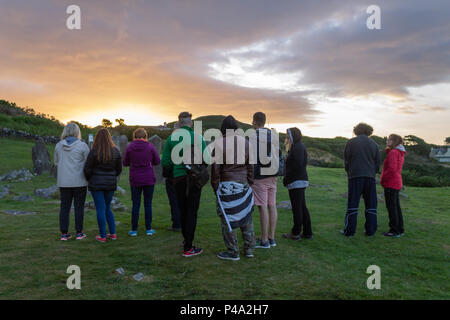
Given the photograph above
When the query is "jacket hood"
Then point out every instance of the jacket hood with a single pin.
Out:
(295, 135)
(400, 148)
(68, 145)
(138, 145)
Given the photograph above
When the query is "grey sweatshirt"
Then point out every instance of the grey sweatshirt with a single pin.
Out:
(70, 159)
(361, 157)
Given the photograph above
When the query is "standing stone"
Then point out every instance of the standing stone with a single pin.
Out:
(157, 143)
(123, 143)
(41, 158)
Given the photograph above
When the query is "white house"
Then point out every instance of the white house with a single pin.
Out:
(441, 154)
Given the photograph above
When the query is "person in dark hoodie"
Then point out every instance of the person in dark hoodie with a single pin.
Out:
(141, 156)
(362, 163)
(69, 157)
(296, 180)
(391, 180)
(103, 166)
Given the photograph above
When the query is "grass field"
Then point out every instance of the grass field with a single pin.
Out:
(33, 261)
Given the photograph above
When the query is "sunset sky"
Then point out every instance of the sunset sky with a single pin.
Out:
(311, 64)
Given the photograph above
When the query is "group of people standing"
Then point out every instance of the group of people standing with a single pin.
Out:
(238, 185)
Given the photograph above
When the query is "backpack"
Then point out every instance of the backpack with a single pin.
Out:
(197, 174)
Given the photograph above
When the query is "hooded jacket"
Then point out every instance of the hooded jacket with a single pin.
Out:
(391, 174)
(102, 176)
(141, 157)
(239, 168)
(69, 157)
(296, 161)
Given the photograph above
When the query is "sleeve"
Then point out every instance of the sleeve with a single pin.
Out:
(347, 156)
(126, 158)
(387, 167)
(118, 163)
(377, 160)
(89, 165)
(166, 161)
(215, 176)
(56, 156)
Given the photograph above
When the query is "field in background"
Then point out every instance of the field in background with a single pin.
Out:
(33, 261)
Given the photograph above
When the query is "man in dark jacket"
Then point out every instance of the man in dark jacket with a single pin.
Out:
(362, 163)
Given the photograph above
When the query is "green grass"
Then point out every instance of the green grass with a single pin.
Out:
(33, 261)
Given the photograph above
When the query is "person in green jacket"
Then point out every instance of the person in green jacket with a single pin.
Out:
(188, 196)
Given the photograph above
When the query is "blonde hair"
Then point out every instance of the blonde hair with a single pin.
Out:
(71, 130)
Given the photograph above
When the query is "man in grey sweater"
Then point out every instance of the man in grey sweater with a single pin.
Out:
(362, 163)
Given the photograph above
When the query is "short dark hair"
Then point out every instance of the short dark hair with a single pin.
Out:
(228, 122)
(363, 128)
(259, 118)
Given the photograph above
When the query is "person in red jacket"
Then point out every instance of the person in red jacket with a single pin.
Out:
(391, 180)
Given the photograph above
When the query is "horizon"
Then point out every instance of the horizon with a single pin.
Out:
(306, 64)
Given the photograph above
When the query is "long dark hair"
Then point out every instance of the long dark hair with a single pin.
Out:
(103, 144)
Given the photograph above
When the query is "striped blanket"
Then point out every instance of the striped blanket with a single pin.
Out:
(236, 202)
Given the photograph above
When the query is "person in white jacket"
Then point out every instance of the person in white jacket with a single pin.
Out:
(69, 158)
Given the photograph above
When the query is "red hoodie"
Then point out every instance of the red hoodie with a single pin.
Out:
(391, 175)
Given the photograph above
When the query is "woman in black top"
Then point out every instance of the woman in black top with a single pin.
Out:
(296, 180)
(103, 166)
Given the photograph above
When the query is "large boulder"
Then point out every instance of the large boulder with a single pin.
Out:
(41, 158)
(17, 175)
(47, 193)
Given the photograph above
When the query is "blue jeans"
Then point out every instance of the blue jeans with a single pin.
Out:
(102, 200)
(136, 193)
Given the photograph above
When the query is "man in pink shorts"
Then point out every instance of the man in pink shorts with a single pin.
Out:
(264, 187)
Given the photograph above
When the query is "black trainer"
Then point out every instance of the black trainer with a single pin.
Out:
(228, 256)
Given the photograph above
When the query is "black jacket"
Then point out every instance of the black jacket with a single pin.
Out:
(103, 176)
(361, 157)
(295, 167)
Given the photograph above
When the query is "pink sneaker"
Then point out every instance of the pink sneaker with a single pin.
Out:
(112, 236)
(98, 238)
(65, 236)
(80, 236)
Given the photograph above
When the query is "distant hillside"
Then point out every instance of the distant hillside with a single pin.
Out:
(419, 169)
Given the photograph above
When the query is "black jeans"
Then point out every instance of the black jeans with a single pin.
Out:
(174, 209)
(392, 200)
(188, 202)
(136, 193)
(300, 212)
(366, 187)
(77, 194)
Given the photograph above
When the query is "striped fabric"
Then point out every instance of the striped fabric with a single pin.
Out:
(236, 202)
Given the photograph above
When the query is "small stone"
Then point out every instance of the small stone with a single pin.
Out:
(121, 191)
(23, 198)
(139, 276)
(284, 205)
(120, 271)
(46, 192)
(18, 213)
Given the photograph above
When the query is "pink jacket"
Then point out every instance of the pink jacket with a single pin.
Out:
(391, 175)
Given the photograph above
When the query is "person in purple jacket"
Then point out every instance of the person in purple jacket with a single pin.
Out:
(141, 156)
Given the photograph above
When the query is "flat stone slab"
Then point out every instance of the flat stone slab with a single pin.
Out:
(284, 205)
(17, 212)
